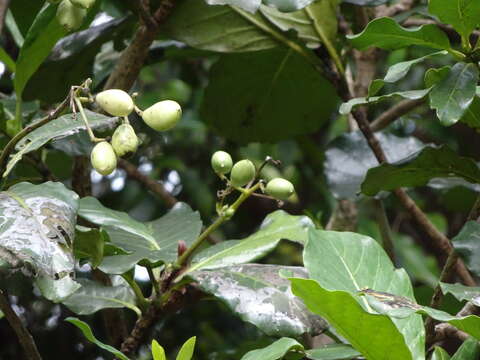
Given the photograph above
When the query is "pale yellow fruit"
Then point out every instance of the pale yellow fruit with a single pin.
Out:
(163, 115)
(124, 140)
(221, 162)
(70, 16)
(116, 102)
(103, 158)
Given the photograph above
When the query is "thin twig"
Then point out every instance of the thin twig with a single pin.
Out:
(392, 10)
(23, 335)
(395, 112)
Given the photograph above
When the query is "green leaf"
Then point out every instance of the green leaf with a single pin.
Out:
(276, 226)
(348, 106)
(87, 332)
(157, 351)
(440, 354)
(462, 292)
(312, 24)
(37, 227)
(92, 297)
(351, 262)
(260, 296)
(418, 169)
(264, 106)
(463, 15)
(288, 5)
(333, 352)
(56, 129)
(275, 351)
(385, 33)
(186, 351)
(452, 96)
(399, 71)
(155, 241)
(467, 244)
(217, 28)
(471, 117)
(7, 60)
(366, 2)
(355, 156)
(342, 311)
(89, 244)
(433, 76)
(469, 350)
(388, 304)
(40, 39)
(248, 5)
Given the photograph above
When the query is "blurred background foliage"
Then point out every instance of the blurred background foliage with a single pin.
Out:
(180, 160)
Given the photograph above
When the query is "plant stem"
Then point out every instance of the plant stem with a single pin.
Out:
(14, 141)
(182, 260)
(153, 280)
(142, 302)
(92, 136)
(23, 335)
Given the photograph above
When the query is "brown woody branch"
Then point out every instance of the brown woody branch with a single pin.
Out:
(23, 335)
(395, 112)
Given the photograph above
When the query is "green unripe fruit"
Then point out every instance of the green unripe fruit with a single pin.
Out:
(280, 189)
(70, 16)
(163, 115)
(242, 173)
(103, 158)
(116, 102)
(84, 4)
(221, 162)
(124, 140)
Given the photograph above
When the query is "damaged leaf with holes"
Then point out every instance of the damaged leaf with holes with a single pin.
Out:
(37, 228)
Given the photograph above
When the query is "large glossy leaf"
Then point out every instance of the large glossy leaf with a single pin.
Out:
(351, 262)
(348, 106)
(260, 296)
(452, 96)
(349, 157)
(373, 335)
(333, 352)
(385, 33)
(398, 71)
(288, 5)
(467, 244)
(471, 117)
(312, 24)
(470, 350)
(158, 352)
(87, 332)
(37, 228)
(71, 61)
(403, 308)
(155, 241)
(92, 297)
(64, 126)
(40, 39)
(275, 351)
(264, 106)
(419, 168)
(276, 226)
(463, 15)
(462, 292)
(90, 244)
(217, 28)
(248, 5)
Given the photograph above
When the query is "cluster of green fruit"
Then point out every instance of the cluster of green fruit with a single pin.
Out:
(70, 13)
(244, 172)
(161, 116)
